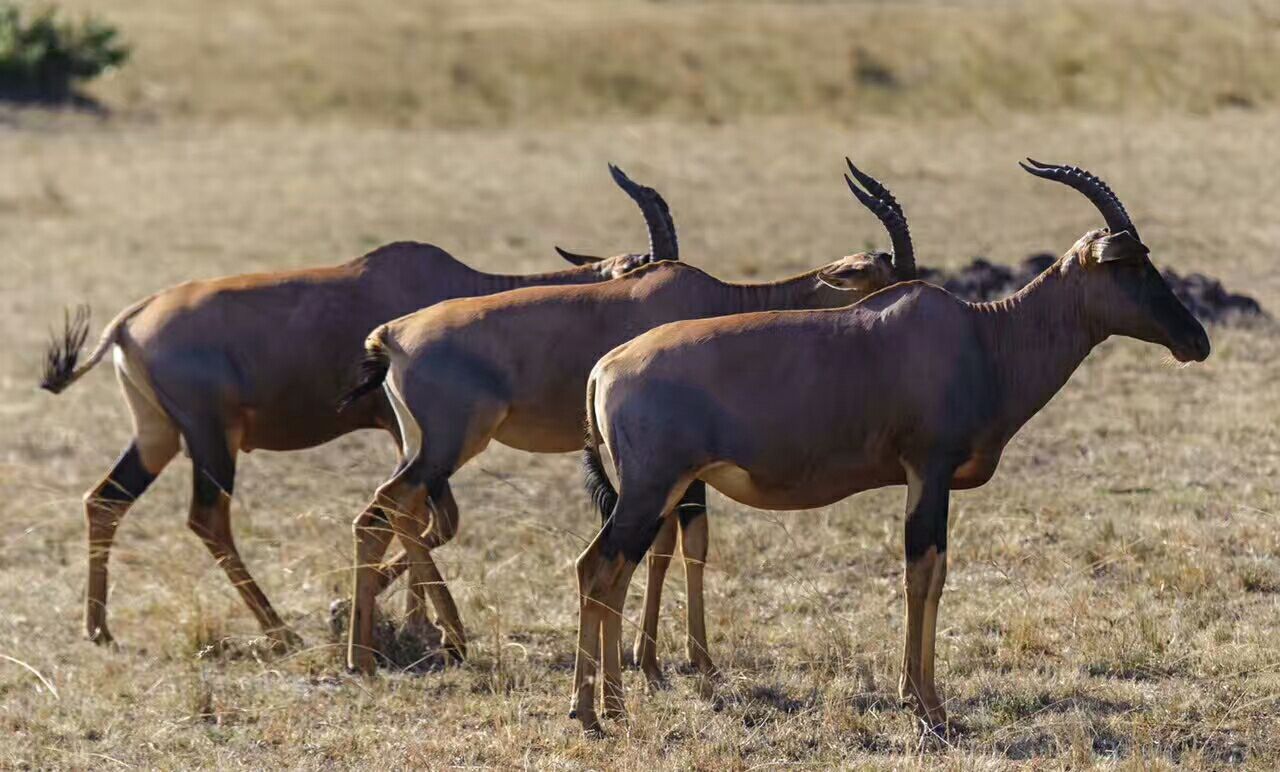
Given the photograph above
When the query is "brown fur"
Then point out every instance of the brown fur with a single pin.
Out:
(512, 368)
(915, 388)
(259, 361)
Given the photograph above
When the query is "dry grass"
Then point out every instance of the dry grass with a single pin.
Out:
(445, 63)
(1113, 592)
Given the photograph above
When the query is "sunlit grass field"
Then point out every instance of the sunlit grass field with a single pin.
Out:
(1114, 592)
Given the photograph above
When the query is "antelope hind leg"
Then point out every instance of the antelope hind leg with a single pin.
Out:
(646, 644)
(155, 443)
(694, 543)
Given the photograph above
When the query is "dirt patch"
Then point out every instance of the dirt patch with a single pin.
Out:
(1204, 295)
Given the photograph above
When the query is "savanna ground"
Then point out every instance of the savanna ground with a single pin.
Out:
(1114, 592)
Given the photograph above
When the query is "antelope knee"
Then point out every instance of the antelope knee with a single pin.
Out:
(372, 517)
(631, 541)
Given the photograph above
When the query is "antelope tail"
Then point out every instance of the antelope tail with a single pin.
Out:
(62, 366)
(373, 369)
(595, 479)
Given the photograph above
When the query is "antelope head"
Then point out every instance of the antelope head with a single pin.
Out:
(866, 272)
(608, 267)
(1124, 292)
(657, 218)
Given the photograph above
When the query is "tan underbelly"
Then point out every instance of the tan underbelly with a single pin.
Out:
(734, 482)
(295, 430)
(739, 485)
(536, 434)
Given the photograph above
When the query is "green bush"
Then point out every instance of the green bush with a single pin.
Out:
(44, 56)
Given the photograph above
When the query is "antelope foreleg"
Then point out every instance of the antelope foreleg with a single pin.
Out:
(925, 543)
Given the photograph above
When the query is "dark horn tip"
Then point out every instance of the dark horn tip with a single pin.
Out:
(863, 197)
(1039, 171)
(619, 176)
(859, 175)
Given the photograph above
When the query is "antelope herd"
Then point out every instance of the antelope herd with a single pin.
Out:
(784, 395)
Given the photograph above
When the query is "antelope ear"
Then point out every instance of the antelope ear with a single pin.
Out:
(577, 259)
(1118, 246)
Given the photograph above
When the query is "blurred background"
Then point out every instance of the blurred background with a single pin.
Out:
(486, 64)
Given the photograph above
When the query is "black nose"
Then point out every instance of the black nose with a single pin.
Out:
(1202, 346)
(1197, 345)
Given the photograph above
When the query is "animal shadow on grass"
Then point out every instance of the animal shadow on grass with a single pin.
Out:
(763, 705)
(410, 649)
(1016, 707)
(1011, 710)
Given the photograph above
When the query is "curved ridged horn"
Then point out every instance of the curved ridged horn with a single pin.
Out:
(657, 216)
(576, 258)
(883, 205)
(1093, 188)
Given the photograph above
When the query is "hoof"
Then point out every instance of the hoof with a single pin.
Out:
(655, 681)
(705, 687)
(702, 667)
(933, 736)
(102, 637)
(931, 723)
(931, 716)
(592, 729)
(935, 727)
(284, 641)
(618, 714)
(454, 654)
(590, 723)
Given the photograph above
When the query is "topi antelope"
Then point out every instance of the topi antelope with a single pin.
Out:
(878, 270)
(259, 362)
(512, 368)
(915, 388)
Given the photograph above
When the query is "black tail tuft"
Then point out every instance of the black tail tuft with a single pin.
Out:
(596, 481)
(63, 354)
(373, 371)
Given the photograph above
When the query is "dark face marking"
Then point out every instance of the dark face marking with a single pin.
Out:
(1150, 310)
